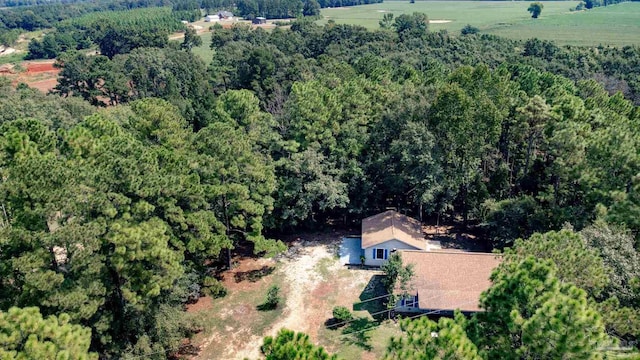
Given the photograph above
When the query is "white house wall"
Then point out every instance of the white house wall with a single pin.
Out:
(400, 305)
(389, 245)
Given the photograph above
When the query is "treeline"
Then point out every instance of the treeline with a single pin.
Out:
(114, 32)
(119, 216)
(9, 37)
(43, 15)
(339, 3)
(48, 15)
(590, 4)
(277, 9)
(288, 72)
(14, 3)
(273, 9)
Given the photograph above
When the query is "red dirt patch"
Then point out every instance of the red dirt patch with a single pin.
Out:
(43, 85)
(33, 68)
(41, 75)
(239, 278)
(243, 276)
(203, 303)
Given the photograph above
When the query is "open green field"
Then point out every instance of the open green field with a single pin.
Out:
(614, 25)
(204, 51)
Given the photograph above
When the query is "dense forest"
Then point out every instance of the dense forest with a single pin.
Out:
(124, 189)
(113, 32)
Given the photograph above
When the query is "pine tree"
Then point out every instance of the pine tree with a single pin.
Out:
(25, 334)
(428, 340)
(289, 345)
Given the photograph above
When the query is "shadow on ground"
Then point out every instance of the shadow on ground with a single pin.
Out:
(357, 333)
(253, 275)
(372, 299)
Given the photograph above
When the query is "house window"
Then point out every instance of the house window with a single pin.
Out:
(409, 301)
(380, 254)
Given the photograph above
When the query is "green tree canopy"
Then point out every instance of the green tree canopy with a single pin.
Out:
(575, 261)
(427, 340)
(535, 9)
(25, 334)
(530, 314)
(289, 345)
(615, 246)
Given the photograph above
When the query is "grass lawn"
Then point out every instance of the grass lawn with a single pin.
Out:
(353, 340)
(614, 25)
(204, 51)
(611, 25)
(11, 58)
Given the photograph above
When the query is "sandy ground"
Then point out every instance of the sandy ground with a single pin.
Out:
(310, 297)
(302, 280)
(7, 51)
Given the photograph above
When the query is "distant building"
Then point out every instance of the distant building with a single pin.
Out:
(211, 18)
(226, 15)
(259, 20)
(184, 22)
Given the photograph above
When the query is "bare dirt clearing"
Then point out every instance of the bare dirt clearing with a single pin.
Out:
(41, 75)
(7, 51)
(312, 283)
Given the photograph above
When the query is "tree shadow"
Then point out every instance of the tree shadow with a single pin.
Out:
(188, 349)
(374, 290)
(333, 323)
(266, 306)
(253, 275)
(357, 333)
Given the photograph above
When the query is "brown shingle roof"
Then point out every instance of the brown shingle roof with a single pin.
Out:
(391, 225)
(450, 280)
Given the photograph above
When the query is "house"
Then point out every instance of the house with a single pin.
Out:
(211, 18)
(259, 20)
(225, 15)
(388, 231)
(446, 280)
(382, 234)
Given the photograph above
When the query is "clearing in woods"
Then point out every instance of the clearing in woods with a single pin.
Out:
(41, 75)
(312, 282)
(616, 25)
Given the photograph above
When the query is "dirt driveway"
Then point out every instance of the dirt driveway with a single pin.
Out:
(312, 283)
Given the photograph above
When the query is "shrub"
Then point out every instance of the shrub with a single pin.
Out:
(342, 314)
(272, 300)
(273, 296)
(468, 29)
(213, 287)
